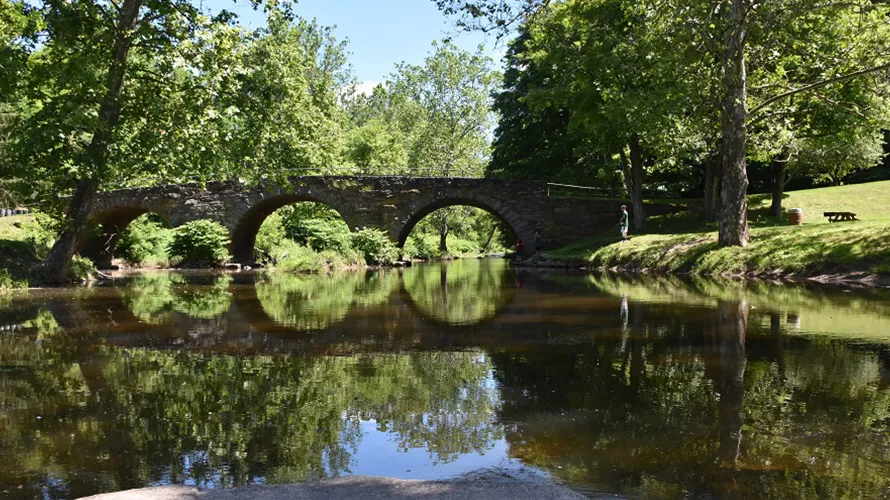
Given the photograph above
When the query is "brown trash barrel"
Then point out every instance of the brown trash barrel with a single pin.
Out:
(795, 216)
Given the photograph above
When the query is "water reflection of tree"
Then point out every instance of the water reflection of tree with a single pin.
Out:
(313, 302)
(460, 292)
(79, 419)
(707, 418)
(824, 311)
(152, 297)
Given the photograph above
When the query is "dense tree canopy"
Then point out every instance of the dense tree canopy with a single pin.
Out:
(688, 83)
(161, 91)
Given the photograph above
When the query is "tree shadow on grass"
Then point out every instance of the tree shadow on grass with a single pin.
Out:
(759, 214)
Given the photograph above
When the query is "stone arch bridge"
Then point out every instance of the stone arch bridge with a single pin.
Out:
(393, 204)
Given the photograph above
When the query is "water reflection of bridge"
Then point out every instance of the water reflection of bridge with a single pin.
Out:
(525, 309)
(519, 315)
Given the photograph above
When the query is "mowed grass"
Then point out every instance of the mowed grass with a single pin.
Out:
(17, 257)
(680, 244)
(870, 202)
(9, 229)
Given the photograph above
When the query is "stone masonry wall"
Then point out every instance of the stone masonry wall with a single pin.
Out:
(392, 204)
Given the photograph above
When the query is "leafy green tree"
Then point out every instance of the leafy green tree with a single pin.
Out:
(156, 90)
(627, 92)
(383, 129)
(845, 114)
(832, 158)
(534, 142)
(452, 90)
(432, 119)
(738, 35)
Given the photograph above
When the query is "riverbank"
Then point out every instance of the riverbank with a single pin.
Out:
(362, 488)
(857, 251)
(845, 252)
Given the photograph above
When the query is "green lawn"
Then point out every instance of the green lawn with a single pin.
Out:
(8, 228)
(680, 243)
(16, 255)
(870, 201)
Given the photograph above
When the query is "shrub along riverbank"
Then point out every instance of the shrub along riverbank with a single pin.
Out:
(857, 250)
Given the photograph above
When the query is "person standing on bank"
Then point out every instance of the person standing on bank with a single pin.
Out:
(624, 222)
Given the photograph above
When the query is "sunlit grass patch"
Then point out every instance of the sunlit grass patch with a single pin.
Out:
(11, 228)
(842, 247)
(869, 201)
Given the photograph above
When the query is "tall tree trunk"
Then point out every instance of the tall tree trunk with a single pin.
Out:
(711, 201)
(734, 212)
(633, 179)
(732, 330)
(59, 257)
(636, 173)
(443, 234)
(778, 171)
(488, 240)
(96, 154)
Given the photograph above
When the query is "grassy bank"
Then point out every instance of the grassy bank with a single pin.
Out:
(681, 244)
(17, 258)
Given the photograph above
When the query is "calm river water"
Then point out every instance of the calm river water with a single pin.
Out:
(641, 387)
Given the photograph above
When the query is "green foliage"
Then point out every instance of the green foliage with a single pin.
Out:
(315, 225)
(40, 233)
(289, 256)
(426, 247)
(7, 282)
(213, 101)
(306, 237)
(377, 146)
(422, 246)
(375, 246)
(584, 76)
(270, 235)
(200, 243)
(82, 270)
(830, 159)
(154, 296)
(145, 241)
(471, 232)
(321, 235)
(461, 292)
(452, 92)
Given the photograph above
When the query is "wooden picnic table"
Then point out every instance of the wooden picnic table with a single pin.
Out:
(839, 216)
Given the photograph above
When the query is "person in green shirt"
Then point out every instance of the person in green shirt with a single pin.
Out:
(624, 222)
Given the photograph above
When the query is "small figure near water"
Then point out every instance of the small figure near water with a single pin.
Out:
(518, 250)
(624, 222)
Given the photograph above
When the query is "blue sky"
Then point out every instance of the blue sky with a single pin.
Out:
(381, 33)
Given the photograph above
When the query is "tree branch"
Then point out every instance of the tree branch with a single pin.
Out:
(813, 86)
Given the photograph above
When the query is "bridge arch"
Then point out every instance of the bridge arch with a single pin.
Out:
(245, 232)
(99, 246)
(401, 227)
